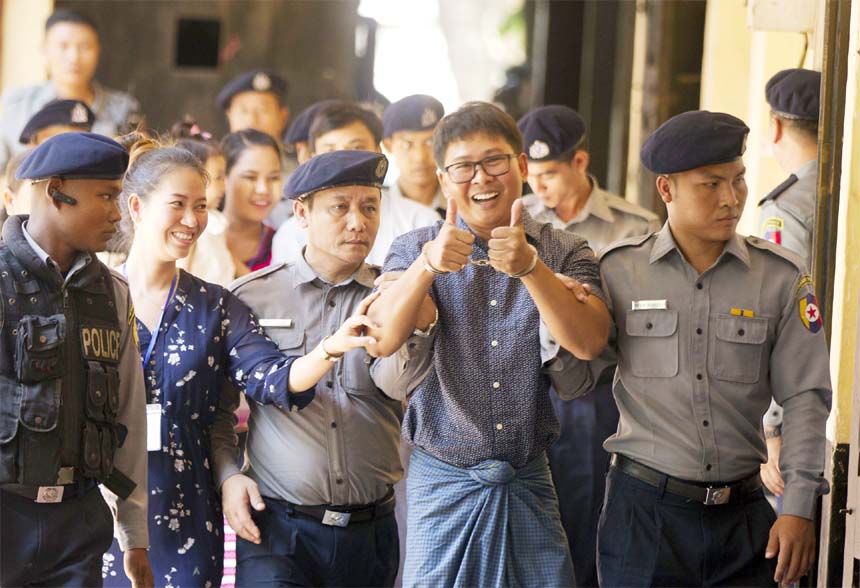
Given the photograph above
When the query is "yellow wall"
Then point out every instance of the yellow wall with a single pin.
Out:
(736, 65)
(21, 41)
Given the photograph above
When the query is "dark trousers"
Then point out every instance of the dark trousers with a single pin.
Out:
(299, 551)
(59, 544)
(648, 537)
(578, 463)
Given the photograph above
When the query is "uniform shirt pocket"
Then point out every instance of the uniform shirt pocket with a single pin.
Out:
(355, 373)
(652, 346)
(290, 339)
(738, 348)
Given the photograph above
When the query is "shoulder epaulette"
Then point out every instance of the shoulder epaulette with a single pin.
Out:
(775, 193)
(628, 242)
(239, 282)
(778, 251)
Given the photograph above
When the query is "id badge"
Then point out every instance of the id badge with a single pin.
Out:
(153, 427)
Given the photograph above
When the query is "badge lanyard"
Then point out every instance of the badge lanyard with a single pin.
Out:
(154, 336)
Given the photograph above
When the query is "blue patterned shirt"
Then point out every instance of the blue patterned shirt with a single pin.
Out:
(487, 393)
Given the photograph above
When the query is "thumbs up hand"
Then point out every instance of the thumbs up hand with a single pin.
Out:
(509, 252)
(450, 250)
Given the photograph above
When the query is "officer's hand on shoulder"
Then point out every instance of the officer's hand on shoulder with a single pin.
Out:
(450, 250)
(792, 539)
(238, 492)
(136, 564)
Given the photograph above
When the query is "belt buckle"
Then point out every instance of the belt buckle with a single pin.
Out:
(49, 494)
(716, 496)
(334, 518)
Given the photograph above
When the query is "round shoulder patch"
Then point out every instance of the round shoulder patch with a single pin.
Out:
(810, 316)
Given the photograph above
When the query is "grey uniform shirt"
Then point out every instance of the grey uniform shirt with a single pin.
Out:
(604, 219)
(700, 356)
(787, 218)
(130, 526)
(111, 107)
(342, 448)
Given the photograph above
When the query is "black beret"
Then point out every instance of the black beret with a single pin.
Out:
(300, 129)
(418, 112)
(67, 113)
(694, 139)
(795, 93)
(256, 80)
(337, 168)
(550, 131)
(83, 156)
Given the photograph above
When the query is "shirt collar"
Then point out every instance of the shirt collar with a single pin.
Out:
(808, 168)
(305, 274)
(80, 262)
(666, 243)
(596, 204)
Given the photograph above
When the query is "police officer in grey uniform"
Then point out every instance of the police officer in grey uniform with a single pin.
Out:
(709, 326)
(72, 414)
(788, 212)
(325, 472)
(568, 197)
(71, 55)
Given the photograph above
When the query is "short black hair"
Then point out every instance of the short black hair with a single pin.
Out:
(807, 127)
(62, 15)
(473, 118)
(340, 114)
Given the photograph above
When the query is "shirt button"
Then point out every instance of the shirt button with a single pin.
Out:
(493, 302)
(699, 331)
(340, 480)
(334, 425)
(496, 385)
(331, 303)
(499, 426)
(708, 467)
(705, 423)
(494, 343)
(698, 376)
(699, 286)
(328, 384)
(38, 420)
(741, 333)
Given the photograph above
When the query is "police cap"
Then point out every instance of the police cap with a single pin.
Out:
(300, 129)
(256, 80)
(67, 113)
(337, 168)
(83, 156)
(694, 139)
(795, 93)
(417, 112)
(551, 131)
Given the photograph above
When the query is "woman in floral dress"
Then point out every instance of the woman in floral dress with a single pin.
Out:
(192, 335)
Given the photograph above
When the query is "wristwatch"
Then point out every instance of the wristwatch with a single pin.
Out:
(325, 354)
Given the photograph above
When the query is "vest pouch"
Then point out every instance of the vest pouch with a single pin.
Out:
(113, 392)
(91, 456)
(39, 348)
(10, 406)
(97, 392)
(40, 405)
(108, 449)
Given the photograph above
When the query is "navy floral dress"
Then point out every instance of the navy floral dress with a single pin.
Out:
(205, 336)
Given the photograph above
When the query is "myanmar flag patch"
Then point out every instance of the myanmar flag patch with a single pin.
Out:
(809, 313)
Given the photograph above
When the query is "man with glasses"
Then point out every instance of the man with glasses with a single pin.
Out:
(482, 507)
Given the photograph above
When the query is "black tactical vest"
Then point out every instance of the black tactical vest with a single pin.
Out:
(59, 353)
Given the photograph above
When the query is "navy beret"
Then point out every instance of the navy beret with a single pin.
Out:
(256, 80)
(67, 113)
(418, 112)
(795, 93)
(550, 131)
(337, 168)
(82, 156)
(300, 129)
(694, 139)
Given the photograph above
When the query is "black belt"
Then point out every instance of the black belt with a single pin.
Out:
(713, 494)
(341, 516)
(52, 494)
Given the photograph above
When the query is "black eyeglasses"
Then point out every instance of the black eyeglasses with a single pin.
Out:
(494, 165)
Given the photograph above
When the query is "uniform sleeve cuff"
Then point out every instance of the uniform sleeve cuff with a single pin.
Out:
(799, 503)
